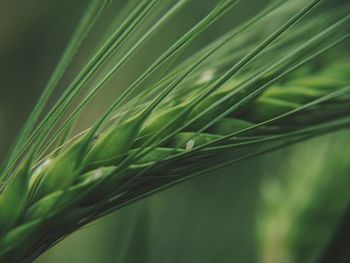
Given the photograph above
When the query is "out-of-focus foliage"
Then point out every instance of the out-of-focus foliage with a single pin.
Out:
(303, 200)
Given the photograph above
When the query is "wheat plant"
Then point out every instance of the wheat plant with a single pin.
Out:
(248, 92)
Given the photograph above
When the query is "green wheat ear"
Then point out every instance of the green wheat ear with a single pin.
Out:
(265, 92)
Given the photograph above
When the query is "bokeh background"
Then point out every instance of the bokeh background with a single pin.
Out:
(214, 218)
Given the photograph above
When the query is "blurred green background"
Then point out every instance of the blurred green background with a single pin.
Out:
(208, 219)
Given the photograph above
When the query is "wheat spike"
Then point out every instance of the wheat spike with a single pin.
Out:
(213, 109)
